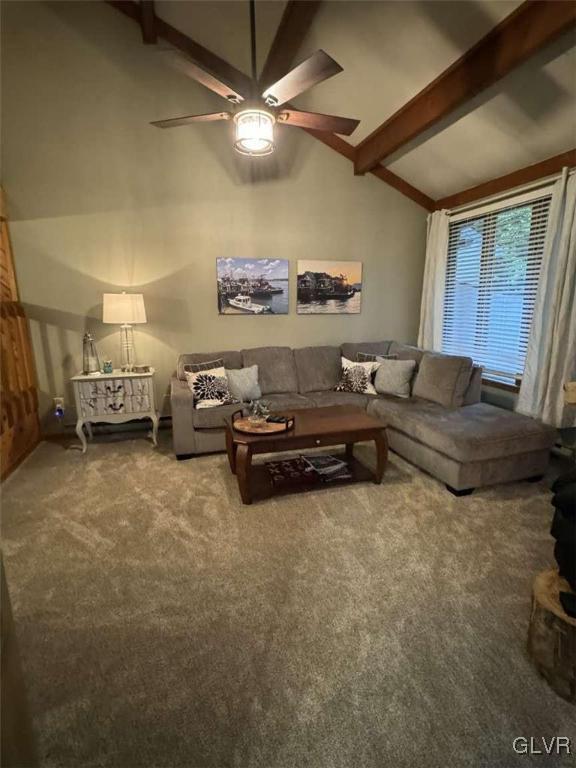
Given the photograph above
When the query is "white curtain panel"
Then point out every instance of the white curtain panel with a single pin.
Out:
(551, 355)
(434, 286)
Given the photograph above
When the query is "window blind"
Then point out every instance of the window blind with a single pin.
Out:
(492, 277)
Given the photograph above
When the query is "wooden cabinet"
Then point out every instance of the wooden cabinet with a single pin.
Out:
(19, 426)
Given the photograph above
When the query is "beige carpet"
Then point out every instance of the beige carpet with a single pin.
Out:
(164, 624)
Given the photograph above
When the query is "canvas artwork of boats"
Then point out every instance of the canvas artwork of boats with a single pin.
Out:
(329, 287)
(252, 286)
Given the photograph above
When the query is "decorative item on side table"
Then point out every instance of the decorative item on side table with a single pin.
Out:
(90, 359)
(114, 398)
(125, 310)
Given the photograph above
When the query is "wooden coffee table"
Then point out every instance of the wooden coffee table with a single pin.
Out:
(313, 428)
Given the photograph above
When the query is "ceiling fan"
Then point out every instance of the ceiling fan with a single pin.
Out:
(255, 115)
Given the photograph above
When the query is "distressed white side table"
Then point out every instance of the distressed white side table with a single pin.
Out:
(114, 398)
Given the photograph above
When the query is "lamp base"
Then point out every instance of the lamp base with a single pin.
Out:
(127, 348)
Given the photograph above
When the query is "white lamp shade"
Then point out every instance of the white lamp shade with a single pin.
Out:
(123, 308)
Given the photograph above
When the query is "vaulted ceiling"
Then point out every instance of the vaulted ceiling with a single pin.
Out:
(392, 50)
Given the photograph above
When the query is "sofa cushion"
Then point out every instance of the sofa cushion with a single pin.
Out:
(471, 433)
(406, 352)
(318, 368)
(350, 349)
(213, 418)
(323, 399)
(287, 401)
(276, 368)
(231, 360)
(443, 379)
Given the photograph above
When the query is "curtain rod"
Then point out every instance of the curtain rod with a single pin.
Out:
(508, 193)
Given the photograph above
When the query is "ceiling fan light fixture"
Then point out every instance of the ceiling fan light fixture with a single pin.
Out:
(254, 132)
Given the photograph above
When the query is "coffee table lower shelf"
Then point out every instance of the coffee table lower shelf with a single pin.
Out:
(262, 487)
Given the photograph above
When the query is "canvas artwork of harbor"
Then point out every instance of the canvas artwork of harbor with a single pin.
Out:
(252, 286)
(329, 287)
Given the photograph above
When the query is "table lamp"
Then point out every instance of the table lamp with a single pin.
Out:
(125, 310)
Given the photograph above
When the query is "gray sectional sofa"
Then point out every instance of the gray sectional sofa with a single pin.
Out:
(443, 428)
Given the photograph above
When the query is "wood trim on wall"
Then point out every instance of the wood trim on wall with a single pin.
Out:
(510, 180)
(19, 423)
(528, 29)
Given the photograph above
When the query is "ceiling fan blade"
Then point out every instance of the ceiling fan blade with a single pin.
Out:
(174, 122)
(318, 122)
(313, 70)
(188, 67)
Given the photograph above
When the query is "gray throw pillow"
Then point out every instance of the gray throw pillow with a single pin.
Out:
(243, 383)
(393, 377)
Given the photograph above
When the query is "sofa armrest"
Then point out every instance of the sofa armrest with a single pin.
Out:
(182, 407)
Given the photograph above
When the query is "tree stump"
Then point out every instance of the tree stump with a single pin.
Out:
(552, 635)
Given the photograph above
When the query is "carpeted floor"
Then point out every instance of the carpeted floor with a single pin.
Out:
(163, 624)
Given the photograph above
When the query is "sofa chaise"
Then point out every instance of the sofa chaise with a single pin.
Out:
(443, 428)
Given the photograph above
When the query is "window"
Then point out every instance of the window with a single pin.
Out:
(492, 272)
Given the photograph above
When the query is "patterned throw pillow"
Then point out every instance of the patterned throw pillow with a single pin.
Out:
(209, 387)
(207, 366)
(357, 377)
(368, 357)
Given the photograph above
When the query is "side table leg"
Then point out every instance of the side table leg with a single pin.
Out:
(381, 442)
(81, 435)
(243, 467)
(154, 418)
(231, 450)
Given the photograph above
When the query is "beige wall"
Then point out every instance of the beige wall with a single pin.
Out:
(101, 201)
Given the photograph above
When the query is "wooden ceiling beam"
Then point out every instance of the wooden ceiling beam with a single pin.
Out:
(515, 179)
(531, 27)
(196, 52)
(294, 25)
(227, 73)
(148, 21)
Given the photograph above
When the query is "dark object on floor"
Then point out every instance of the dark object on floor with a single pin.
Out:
(17, 742)
(568, 602)
(552, 635)
(461, 492)
(564, 527)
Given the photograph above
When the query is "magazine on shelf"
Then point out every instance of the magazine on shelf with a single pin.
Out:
(328, 467)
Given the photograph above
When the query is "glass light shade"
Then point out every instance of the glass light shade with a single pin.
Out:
(120, 308)
(254, 132)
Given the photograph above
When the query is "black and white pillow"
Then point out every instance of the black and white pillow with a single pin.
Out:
(357, 377)
(209, 387)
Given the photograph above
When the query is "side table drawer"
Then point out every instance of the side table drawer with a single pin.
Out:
(102, 406)
(114, 388)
